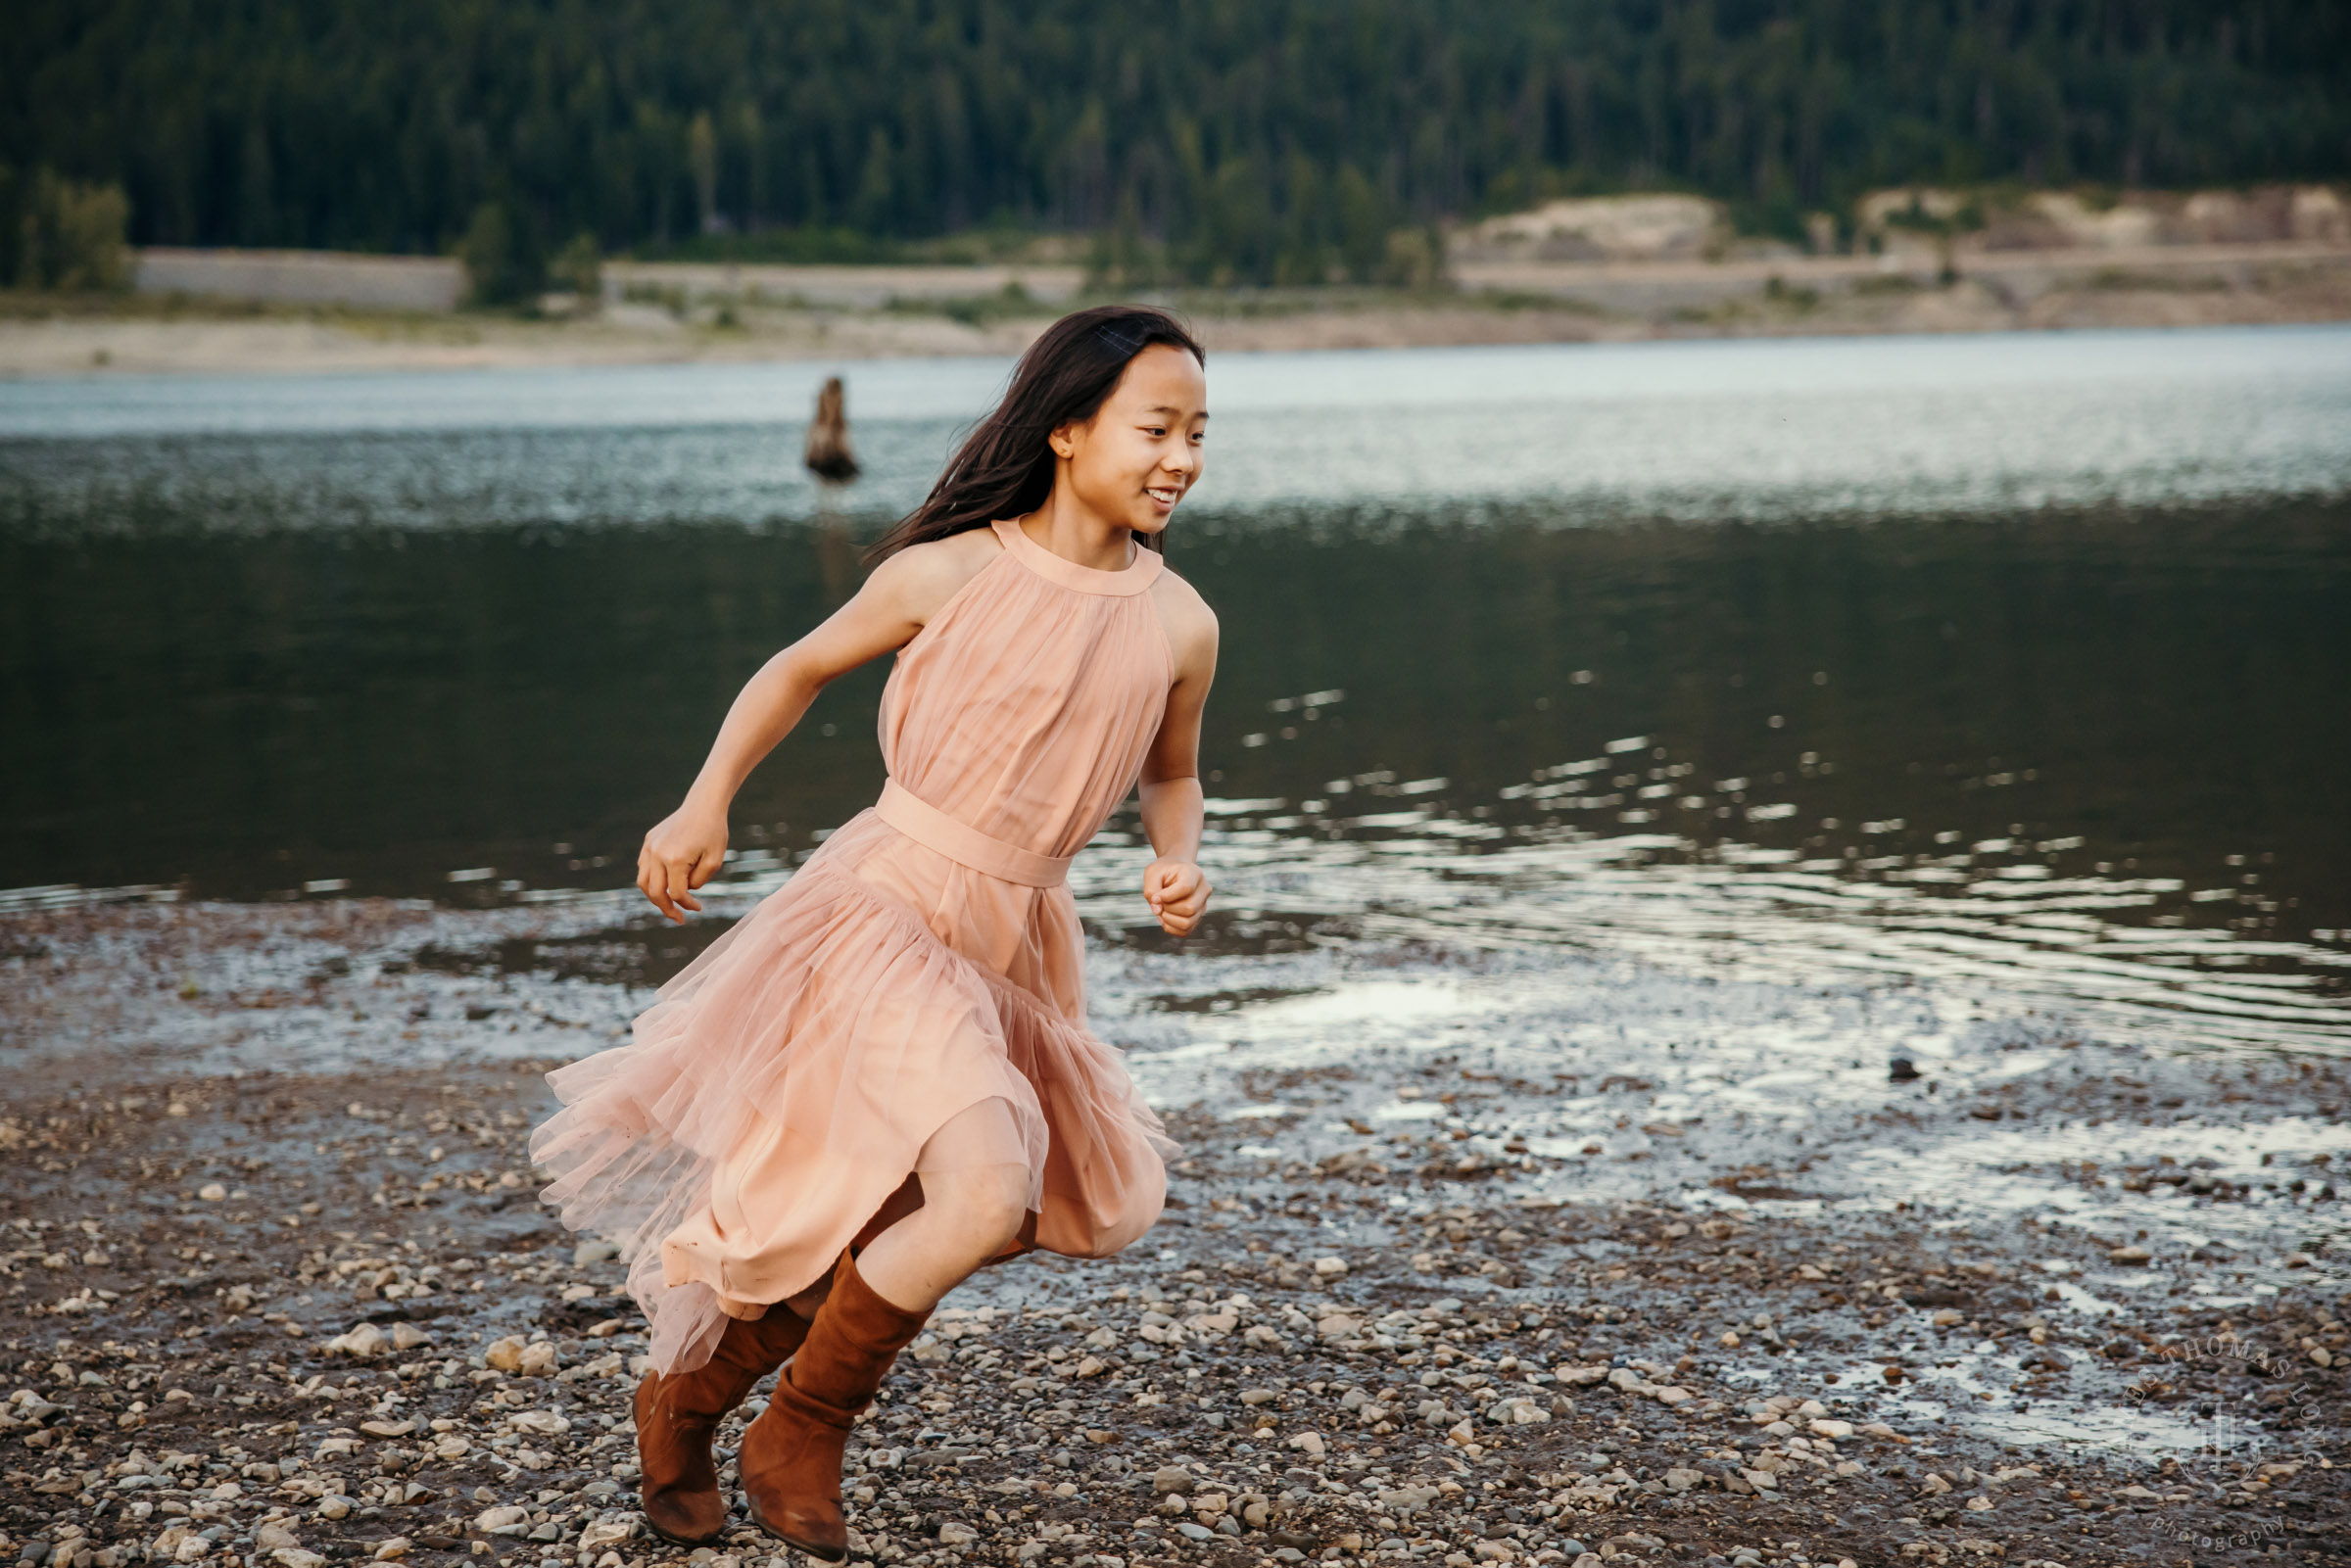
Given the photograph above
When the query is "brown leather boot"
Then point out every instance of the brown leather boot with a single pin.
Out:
(791, 1457)
(676, 1416)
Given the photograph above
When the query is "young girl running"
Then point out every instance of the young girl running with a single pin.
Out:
(880, 1079)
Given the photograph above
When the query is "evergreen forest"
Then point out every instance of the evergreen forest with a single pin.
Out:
(1227, 140)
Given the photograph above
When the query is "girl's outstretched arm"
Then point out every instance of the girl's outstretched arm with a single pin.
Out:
(686, 848)
(1173, 886)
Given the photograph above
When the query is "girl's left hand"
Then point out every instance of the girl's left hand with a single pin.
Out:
(1177, 894)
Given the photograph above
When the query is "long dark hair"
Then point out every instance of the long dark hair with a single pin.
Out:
(1004, 467)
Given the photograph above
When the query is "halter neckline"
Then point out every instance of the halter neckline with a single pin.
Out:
(1133, 578)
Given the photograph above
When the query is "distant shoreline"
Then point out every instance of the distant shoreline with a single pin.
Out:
(2181, 286)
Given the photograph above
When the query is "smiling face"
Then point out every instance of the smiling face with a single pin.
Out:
(1142, 450)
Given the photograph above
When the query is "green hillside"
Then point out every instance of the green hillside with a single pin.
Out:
(1249, 139)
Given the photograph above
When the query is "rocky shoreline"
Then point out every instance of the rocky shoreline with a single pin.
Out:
(278, 1319)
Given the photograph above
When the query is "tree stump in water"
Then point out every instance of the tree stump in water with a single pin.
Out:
(828, 455)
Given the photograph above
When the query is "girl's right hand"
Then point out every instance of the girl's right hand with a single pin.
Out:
(682, 852)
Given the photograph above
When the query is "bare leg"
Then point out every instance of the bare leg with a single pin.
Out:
(959, 1146)
(967, 1217)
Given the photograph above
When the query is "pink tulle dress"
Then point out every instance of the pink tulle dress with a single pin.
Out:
(914, 998)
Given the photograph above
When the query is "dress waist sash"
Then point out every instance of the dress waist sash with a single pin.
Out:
(965, 845)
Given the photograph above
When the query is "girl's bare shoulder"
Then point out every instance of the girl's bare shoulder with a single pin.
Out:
(922, 578)
(1191, 624)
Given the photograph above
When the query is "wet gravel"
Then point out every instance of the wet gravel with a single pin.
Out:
(287, 1318)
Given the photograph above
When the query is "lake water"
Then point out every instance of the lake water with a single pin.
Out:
(2014, 664)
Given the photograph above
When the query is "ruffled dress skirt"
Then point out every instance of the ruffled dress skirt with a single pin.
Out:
(785, 1084)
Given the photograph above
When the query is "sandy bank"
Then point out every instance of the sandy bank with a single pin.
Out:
(2178, 286)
